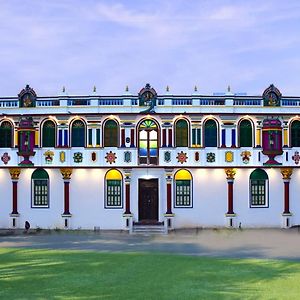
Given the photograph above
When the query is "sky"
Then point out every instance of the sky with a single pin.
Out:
(177, 43)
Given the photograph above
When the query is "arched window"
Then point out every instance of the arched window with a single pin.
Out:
(148, 142)
(258, 188)
(245, 134)
(295, 134)
(210, 134)
(182, 133)
(183, 189)
(78, 134)
(6, 135)
(113, 190)
(40, 188)
(111, 136)
(49, 132)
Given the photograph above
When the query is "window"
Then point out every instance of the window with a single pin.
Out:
(210, 134)
(295, 134)
(40, 188)
(181, 139)
(6, 135)
(48, 139)
(111, 137)
(245, 134)
(183, 189)
(196, 137)
(258, 188)
(113, 195)
(78, 134)
(148, 143)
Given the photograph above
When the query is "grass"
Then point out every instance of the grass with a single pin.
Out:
(61, 274)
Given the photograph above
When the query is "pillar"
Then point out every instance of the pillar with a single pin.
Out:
(230, 215)
(286, 215)
(66, 174)
(285, 135)
(14, 174)
(258, 135)
(168, 216)
(127, 214)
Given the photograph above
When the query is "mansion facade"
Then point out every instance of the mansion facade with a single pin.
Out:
(175, 161)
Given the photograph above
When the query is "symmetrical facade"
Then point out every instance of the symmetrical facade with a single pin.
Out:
(112, 162)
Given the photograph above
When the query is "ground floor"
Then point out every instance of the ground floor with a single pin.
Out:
(119, 199)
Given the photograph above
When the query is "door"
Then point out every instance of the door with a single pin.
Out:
(148, 200)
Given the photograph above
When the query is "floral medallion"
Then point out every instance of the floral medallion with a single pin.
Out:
(181, 157)
(167, 156)
(210, 157)
(295, 157)
(127, 156)
(110, 157)
(77, 157)
(246, 156)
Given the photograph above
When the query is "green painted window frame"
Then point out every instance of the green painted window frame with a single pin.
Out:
(113, 195)
(6, 135)
(210, 134)
(40, 189)
(245, 134)
(181, 133)
(78, 134)
(48, 134)
(183, 194)
(196, 137)
(111, 134)
(259, 189)
(295, 134)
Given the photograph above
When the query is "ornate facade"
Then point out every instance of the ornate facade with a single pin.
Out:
(115, 162)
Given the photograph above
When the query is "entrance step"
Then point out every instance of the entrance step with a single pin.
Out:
(148, 229)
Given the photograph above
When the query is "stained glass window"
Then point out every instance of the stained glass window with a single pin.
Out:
(183, 189)
(113, 197)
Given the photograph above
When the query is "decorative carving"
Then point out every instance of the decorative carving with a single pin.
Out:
(181, 157)
(127, 156)
(167, 156)
(296, 157)
(197, 156)
(27, 97)
(110, 157)
(246, 156)
(147, 97)
(49, 156)
(271, 96)
(77, 157)
(229, 156)
(62, 156)
(230, 173)
(5, 158)
(14, 173)
(210, 157)
(94, 156)
(286, 173)
(66, 173)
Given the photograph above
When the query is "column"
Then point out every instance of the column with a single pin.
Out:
(66, 174)
(127, 214)
(285, 135)
(168, 215)
(286, 215)
(258, 135)
(14, 174)
(230, 215)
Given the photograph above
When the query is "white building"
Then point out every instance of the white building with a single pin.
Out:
(114, 162)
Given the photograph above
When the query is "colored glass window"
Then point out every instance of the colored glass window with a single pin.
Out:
(181, 139)
(78, 134)
(48, 134)
(210, 134)
(183, 190)
(6, 135)
(295, 134)
(40, 188)
(113, 197)
(111, 134)
(245, 136)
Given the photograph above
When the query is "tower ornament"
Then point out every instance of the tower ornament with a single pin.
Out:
(147, 97)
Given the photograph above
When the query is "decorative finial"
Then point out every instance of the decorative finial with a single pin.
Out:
(228, 89)
(195, 89)
(94, 89)
(167, 88)
(127, 88)
(63, 89)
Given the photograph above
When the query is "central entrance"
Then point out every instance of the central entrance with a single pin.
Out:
(148, 200)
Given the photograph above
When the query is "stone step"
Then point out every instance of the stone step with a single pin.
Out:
(148, 229)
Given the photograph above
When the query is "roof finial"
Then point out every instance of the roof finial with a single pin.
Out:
(64, 89)
(94, 89)
(167, 88)
(195, 89)
(228, 89)
(127, 88)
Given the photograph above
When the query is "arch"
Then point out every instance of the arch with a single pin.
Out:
(48, 133)
(78, 133)
(40, 188)
(181, 133)
(259, 188)
(295, 133)
(245, 133)
(210, 133)
(113, 189)
(6, 134)
(148, 139)
(183, 188)
(111, 133)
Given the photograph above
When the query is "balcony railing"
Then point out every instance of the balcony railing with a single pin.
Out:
(113, 102)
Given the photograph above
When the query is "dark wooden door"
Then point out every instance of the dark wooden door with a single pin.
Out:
(148, 200)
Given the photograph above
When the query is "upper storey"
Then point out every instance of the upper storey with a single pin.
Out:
(148, 101)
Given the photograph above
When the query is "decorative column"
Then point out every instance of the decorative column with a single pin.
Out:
(66, 174)
(285, 134)
(258, 135)
(286, 215)
(14, 174)
(230, 215)
(127, 214)
(169, 215)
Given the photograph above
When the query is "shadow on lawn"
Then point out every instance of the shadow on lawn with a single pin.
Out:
(57, 274)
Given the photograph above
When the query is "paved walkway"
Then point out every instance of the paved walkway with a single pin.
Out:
(251, 243)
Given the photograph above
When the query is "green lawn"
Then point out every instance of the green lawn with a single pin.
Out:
(57, 274)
